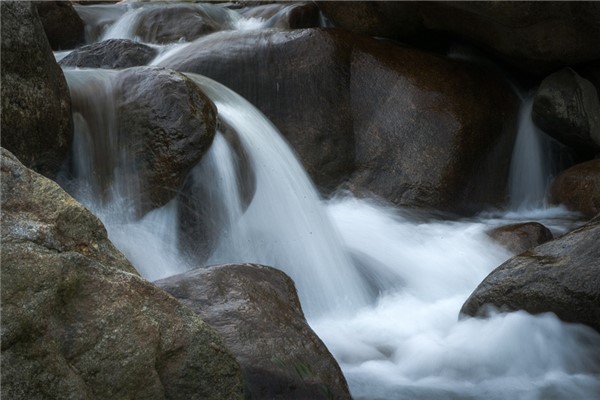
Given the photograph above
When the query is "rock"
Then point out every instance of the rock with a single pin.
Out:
(413, 128)
(174, 22)
(36, 108)
(111, 54)
(520, 237)
(535, 37)
(561, 276)
(165, 122)
(579, 188)
(77, 325)
(429, 132)
(63, 26)
(276, 71)
(256, 310)
(285, 16)
(566, 107)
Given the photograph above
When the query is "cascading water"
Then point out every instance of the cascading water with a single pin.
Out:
(381, 287)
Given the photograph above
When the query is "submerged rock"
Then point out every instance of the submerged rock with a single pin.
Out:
(579, 188)
(36, 108)
(77, 324)
(561, 276)
(520, 237)
(63, 26)
(112, 54)
(256, 310)
(567, 107)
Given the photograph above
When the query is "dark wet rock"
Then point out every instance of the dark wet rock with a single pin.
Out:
(411, 127)
(566, 107)
(537, 37)
(520, 237)
(63, 26)
(561, 276)
(162, 118)
(174, 22)
(579, 188)
(36, 108)
(111, 54)
(76, 324)
(429, 132)
(257, 311)
(285, 16)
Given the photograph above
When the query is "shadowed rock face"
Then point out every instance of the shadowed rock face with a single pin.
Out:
(112, 54)
(411, 127)
(256, 310)
(63, 26)
(520, 237)
(79, 323)
(36, 108)
(579, 188)
(561, 276)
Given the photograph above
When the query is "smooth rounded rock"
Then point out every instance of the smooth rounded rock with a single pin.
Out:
(579, 188)
(111, 54)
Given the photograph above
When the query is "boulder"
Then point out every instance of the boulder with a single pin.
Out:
(111, 54)
(173, 22)
(566, 107)
(63, 26)
(537, 37)
(561, 276)
(163, 123)
(36, 108)
(579, 188)
(256, 310)
(77, 323)
(414, 128)
(285, 16)
(429, 132)
(520, 237)
(277, 72)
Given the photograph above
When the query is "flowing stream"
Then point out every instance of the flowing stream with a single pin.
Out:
(382, 287)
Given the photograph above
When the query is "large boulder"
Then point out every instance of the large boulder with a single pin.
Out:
(561, 276)
(537, 37)
(173, 22)
(63, 26)
(522, 236)
(36, 109)
(256, 310)
(77, 323)
(429, 132)
(299, 79)
(163, 123)
(111, 54)
(414, 128)
(579, 188)
(567, 107)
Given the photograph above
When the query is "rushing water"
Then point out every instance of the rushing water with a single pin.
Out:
(382, 287)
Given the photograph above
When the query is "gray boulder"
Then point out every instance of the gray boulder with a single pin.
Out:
(63, 26)
(78, 324)
(567, 107)
(561, 276)
(111, 54)
(36, 108)
(578, 188)
(256, 310)
(520, 237)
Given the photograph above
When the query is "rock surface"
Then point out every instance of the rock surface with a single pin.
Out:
(561, 276)
(63, 26)
(111, 54)
(411, 127)
(285, 16)
(520, 237)
(36, 108)
(567, 107)
(579, 188)
(256, 310)
(76, 325)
